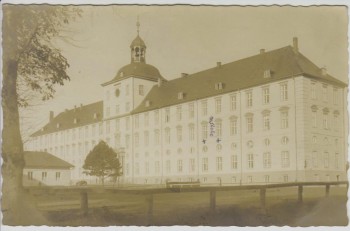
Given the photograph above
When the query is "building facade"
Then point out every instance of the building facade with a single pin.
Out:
(42, 168)
(269, 118)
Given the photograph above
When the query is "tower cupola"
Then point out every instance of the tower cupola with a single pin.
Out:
(138, 47)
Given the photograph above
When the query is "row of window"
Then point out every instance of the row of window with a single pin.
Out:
(325, 93)
(251, 163)
(319, 160)
(31, 177)
(325, 119)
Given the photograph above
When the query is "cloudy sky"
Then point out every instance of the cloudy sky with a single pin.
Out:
(189, 39)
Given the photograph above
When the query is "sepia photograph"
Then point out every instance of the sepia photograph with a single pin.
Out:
(164, 115)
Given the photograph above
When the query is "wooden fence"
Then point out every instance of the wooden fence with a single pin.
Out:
(150, 192)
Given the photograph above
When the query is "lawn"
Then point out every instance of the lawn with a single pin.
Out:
(233, 208)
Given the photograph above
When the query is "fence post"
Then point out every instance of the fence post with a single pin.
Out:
(300, 194)
(212, 199)
(84, 203)
(327, 189)
(263, 197)
(149, 200)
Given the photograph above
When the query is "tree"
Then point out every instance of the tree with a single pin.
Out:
(102, 161)
(29, 59)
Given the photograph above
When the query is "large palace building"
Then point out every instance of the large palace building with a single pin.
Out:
(272, 117)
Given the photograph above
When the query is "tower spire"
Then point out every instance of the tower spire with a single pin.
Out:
(138, 25)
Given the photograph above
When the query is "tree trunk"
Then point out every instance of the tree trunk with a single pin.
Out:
(12, 147)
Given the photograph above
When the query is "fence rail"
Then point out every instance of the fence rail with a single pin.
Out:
(150, 192)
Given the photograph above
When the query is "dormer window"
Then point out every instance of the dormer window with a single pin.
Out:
(95, 115)
(180, 95)
(219, 86)
(58, 125)
(75, 121)
(148, 103)
(267, 73)
(121, 74)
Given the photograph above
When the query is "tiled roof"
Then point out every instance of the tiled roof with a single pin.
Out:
(44, 160)
(138, 70)
(72, 118)
(283, 63)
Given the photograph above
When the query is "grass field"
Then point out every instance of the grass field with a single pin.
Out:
(233, 208)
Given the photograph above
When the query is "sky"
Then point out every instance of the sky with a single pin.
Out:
(187, 39)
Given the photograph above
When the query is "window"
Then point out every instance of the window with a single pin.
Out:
(117, 110)
(192, 165)
(218, 127)
(141, 90)
(314, 159)
(108, 111)
(179, 165)
(137, 121)
(249, 120)
(204, 108)
(325, 121)
(218, 163)
(335, 96)
(146, 118)
(146, 136)
(107, 95)
(108, 127)
(156, 167)
(313, 90)
(284, 140)
(284, 91)
(191, 110)
(266, 122)
(43, 176)
(168, 166)
(137, 168)
(127, 106)
(100, 128)
(285, 159)
(266, 95)
(127, 123)
(137, 140)
(267, 178)
(180, 95)
(267, 160)
(117, 140)
(219, 86)
(249, 96)
(267, 73)
(117, 124)
(156, 137)
(191, 132)
(233, 126)
(178, 113)
(204, 130)
(156, 117)
(233, 104)
(58, 176)
(205, 165)
(179, 133)
(285, 178)
(167, 115)
(326, 159)
(234, 162)
(127, 89)
(250, 179)
(336, 122)
(314, 119)
(336, 160)
(218, 105)
(250, 160)
(146, 168)
(325, 93)
(167, 135)
(127, 141)
(284, 119)
(30, 175)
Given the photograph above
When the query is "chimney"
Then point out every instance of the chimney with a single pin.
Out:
(75, 108)
(81, 105)
(160, 81)
(51, 116)
(262, 51)
(295, 45)
(218, 64)
(184, 75)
